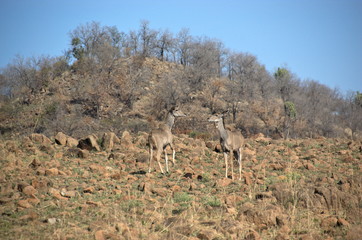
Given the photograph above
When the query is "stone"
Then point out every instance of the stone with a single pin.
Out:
(40, 138)
(252, 235)
(35, 163)
(29, 190)
(52, 220)
(126, 140)
(72, 142)
(51, 172)
(89, 143)
(60, 138)
(342, 222)
(329, 222)
(24, 204)
(99, 235)
(56, 194)
(109, 140)
(83, 153)
(223, 182)
(207, 234)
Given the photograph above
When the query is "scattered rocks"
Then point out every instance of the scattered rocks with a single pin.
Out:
(288, 190)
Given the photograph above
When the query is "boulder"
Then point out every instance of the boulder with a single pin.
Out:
(89, 143)
(72, 142)
(109, 139)
(60, 138)
(40, 138)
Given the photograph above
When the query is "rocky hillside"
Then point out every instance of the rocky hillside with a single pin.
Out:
(99, 188)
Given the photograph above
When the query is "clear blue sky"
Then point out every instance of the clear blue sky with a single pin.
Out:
(316, 39)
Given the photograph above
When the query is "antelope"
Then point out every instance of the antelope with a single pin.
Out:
(231, 141)
(162, 137)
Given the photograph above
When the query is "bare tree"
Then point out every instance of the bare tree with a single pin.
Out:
(164, 45)
(183, 46)
(148, 38)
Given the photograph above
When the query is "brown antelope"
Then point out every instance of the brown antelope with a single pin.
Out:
(162, 137)
(231, 141)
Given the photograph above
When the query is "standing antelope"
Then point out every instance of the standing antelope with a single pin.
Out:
(231, 141)
(160, 138)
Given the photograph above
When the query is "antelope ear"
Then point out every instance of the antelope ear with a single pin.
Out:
(224, 113)
(173, 107)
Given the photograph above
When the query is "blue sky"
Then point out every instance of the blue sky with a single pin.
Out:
(316, 39)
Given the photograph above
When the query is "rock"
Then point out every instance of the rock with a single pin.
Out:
(83, 153)
(55, 193)
(223, 182)
(35, 163)
(40, 139)
(60, 138)
(90, 189)
(162, 192)
(145, 187)
(92, 203)
(52, 220)
(99, 235)
(218, 148)
(126, 140)
(142, 157)
(68, 194)
(263, 215)
(207, 234)
(283, 233)
(52, 172)
(89, 143)
(31, 216)
(24, 204)
(109, 140)
(29, 190)
(309, 166)
(22, 185)
(39, 183)
(342, 222)
(329, 222)
(33, 201)
(96, 168)
(72, 142)
(252, 235)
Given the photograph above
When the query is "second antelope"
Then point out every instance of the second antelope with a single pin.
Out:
(162, 137)
(231, 141)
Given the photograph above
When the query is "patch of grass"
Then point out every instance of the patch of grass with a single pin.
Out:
(294, 177)
(131, 204)
(182, 197)
(199, 135)
(211, 201)
(183, 200)
(205, 177)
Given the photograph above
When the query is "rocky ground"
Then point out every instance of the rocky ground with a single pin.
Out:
(98, 188)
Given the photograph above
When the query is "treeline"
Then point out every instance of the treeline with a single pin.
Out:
(104, 63)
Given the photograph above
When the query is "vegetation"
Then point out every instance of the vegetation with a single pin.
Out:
(109, 78)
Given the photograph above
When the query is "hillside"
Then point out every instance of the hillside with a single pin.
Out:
(73, 144)
(291, 189)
